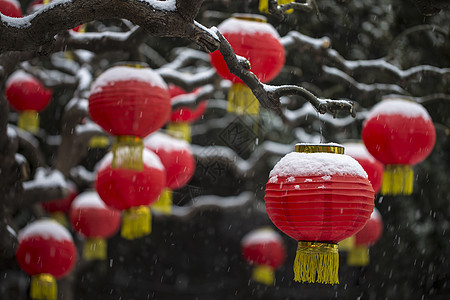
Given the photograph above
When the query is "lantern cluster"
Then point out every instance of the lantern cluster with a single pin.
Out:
(130, 103)
(399, 133)
(95, 221)
(178, 161)
(28, 96)
(181, 118)
(318, 196)
(259, 42)
(46, 252)
(265, 249)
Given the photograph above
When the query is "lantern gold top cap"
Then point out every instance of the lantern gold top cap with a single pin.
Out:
(250, 17)
(319, 148)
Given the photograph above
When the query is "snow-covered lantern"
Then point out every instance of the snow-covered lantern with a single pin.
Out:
(318, 196)
(11, 8)
(26, 94)
(129, 103)
(256, 40)
(399, 133)
(132, 191)
(58, 208)
(263, 248)
(178, 161)
(46, 252)
(366, 237)
(182, 117)
(95, 221)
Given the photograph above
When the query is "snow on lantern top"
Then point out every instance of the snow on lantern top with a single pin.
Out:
(358, 150)
(259, 42)
(158, 140)
(46, 229)
(398, 106)
(89, 199)
(316, 164)
(261, 236)
(150, 159)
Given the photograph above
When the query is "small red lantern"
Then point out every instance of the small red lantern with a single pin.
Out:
(399, 133)
(46, 252)
(373, 167)
(132, 191)
(129, 103)
(58, 208)
(91, 218)
(366, 237)
(27, 95)
(178, 160)
(265, 249)
(181, 118)
(11, 8)
(259, 42)
(318, 199)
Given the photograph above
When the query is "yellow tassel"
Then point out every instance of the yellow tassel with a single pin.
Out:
(60, 217)
(397, 180)
(358, 256)
(241, 100)
(136, 222)
(164, 202)
(43, 287)
(263, 274)
(347, 244)
(128, 153)
(29, 121)
(181, 130)
(316, 262)
(99, 141)
(264, 5)
(95, 248)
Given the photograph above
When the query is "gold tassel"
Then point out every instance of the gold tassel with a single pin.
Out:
(241, 100)
(136, 222)
(358, 256)
(128, 153)
(29, 121)
(264, 5)
(397, 180)
(95, 248)
(347, 244)
(180, 130)
(164, 202)
(263, 274)
(316, 262)
(99, 141)
(43, 287)
(60, 217)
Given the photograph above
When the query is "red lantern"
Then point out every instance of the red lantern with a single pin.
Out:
(46, 251)
(178, 160)
(181, 118)
(265, 249)
(366, 237)
(318, 199)
(373, 167)
(90, 217)
(11, 8)
(132, 191)
(58, 208)
(129, 103)
(399, 133)
(253, 38)
(27, 95)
